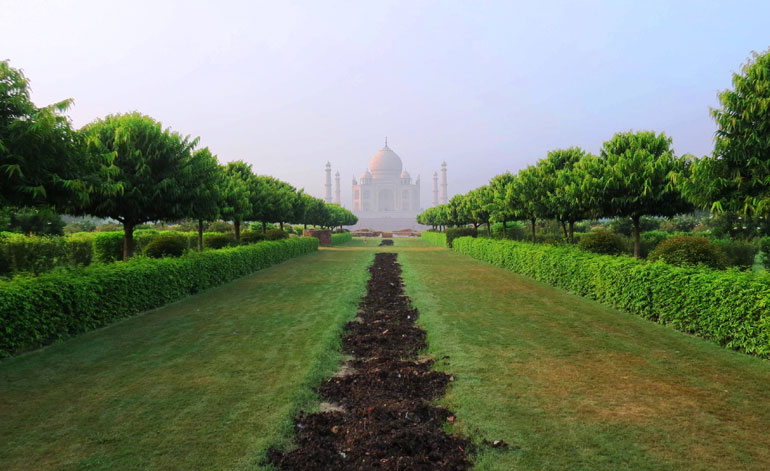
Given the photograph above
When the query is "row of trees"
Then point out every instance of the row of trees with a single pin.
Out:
(129, 168)
(637, 173)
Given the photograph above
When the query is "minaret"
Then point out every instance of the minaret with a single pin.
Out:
(328, 197)
(337, 198)
(435, 189)
(444, 199)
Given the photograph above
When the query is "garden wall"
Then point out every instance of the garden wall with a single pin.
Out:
(38, 311)
(729, 307)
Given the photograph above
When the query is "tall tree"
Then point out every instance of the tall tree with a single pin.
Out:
(502, 208)
(146, 172)
(529, 197)
(239, 194)
(565, 199)
(205, 200)
(637, 177)
(737, 177)
(42, 159)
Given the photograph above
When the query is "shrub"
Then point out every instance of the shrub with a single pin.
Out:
(79, 249)
(603, 242)
(649, 240)
(690, 251)
(341, 238)
(275, 234)
(434, 238)
(108, 246)
(251, 237)
(729, 307)
(740, 254)
(454, 232)
(167, 245)
(625, 226)
(217, 240)
(220, 226)
(514, 230)
(37, 311)
(764, 245)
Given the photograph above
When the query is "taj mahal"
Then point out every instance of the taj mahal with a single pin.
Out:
(385, 197)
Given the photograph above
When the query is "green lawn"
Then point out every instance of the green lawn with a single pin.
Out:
(574, 385)
(205, 383)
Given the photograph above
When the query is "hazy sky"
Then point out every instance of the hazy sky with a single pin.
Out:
(486, 86)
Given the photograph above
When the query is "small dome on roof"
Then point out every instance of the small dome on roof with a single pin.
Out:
(366, 174)
(405, 174)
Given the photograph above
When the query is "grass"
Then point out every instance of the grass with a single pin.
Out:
(571, 384)
(209, 382)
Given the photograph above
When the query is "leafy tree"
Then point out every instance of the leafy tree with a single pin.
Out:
(204, 201)
(36, 220)
(528, 197)
(737, 177)
(478, 202)
(501, 207)
(238, 194)
(41, 157)
(145, 172)
(565, 198)
(637, 171)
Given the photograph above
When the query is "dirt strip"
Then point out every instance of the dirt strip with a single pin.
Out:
(379, 413)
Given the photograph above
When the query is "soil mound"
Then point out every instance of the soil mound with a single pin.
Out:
(387, 421)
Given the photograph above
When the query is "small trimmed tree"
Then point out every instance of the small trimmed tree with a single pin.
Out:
(637, 178)
(144, 172)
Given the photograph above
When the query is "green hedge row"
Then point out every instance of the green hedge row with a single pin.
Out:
(434, 238)
(37, 254)
(342, 238)
(729, 307)
(38, 311)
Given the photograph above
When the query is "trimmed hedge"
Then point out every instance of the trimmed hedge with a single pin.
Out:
(434, 238)
(729, 307)
(453, 233)
(37, 254)
(342, 238)
(38, 311)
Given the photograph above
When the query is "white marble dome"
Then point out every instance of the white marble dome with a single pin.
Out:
(385, 164)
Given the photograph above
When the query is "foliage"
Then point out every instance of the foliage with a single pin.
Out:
(38, 254)
(341, 238)
(217, 240)
(765, 247)
(625, 226)
(454, 232)
(220, 226)
(690, 251)
(37, 311)
(166, 245)
(737, 226)
(650, 240)
(739, 253)
(728, 307)
(514, 230)
(41, 158)
(251, 237)
(40, 221)
(275, 234)
(108, 246)
(146, 173)
(637, 175)
(603, 242)
(434, 238)
(737, 177)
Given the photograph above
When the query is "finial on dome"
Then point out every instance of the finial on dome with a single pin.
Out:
(386, 141)
(328, 164)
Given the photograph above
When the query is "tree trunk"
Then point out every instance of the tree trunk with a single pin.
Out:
(534, 238)
(636, 236)
(237, 226)
(128, 240)
(281, 223)
(564, 228)
(264, 227)
(505, 229)
(200, 235)
(489, 229)
(476, 225)
(572, 232)
(305, 225)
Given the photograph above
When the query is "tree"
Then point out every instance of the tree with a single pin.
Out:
(205, 200)
(529, 197)
(737, 177)
(478, 203)
(144, 172)
(501, 207)
(41, 157)
(566, 199)
(239, 194)
(637, 178)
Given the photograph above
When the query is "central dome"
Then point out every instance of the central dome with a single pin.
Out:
(385, 164)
